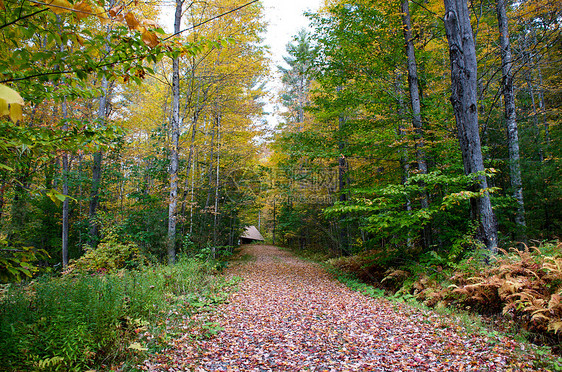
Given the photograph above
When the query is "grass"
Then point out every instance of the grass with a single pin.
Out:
(96, 321)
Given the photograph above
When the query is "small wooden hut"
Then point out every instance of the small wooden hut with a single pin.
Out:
(250, 235)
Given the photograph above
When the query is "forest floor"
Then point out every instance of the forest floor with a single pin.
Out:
(291, 315)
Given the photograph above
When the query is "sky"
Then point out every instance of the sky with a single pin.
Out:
(284, 18)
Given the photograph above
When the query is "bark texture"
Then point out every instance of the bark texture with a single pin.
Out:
(175, 133)
(509, 113)
(65, 191)
(97, 168)
(413, 85)
(415, 100)
(462, 54)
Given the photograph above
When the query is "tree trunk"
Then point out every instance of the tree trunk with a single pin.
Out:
(404, 160)
(189, 166)
(174, 158)
(94, 197)
(415, 97)
(462, 54)
(343, 181)
(97, 168)
(415, 100)
(65, 203)
(210, 172)
(217, 183)
(510, 116)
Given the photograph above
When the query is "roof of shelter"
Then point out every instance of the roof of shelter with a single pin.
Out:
(251, 233)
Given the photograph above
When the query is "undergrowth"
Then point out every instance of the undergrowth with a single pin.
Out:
(518, 291)
(86, 320)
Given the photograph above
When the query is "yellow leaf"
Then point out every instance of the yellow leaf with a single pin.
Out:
(79, 39)
(99, 12)
(15, 112)
(59, 6)
(4, 108)
(10, 103)
(137, 346)
(10, 96)
(149, 38)
(82, 10)
(132, 21)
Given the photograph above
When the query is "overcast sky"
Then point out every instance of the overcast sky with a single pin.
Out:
(285, 18)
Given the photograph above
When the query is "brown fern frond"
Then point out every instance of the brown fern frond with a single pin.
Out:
(555, 326)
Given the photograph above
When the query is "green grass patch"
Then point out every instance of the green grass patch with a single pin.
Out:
(93, 321)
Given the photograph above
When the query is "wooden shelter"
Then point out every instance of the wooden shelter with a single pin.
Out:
(250, 235)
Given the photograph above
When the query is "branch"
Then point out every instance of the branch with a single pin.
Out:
(23, 17)
(142, 56)
(211, 19)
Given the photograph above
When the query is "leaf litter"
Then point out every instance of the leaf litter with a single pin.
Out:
(291, 315)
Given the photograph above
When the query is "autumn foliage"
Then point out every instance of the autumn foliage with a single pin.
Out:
(523, 286)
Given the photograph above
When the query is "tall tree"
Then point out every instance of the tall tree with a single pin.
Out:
(415, 101)
(296, 78)
(174, 148)
(462, 54)
(510, 113)
(97, 165)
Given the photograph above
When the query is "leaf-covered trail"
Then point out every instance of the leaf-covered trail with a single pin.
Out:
(290, 315)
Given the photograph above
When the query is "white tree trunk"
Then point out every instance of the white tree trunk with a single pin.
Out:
(509, 112)
(415, 100)
(413, 86)
(65, 203)
(174, 157)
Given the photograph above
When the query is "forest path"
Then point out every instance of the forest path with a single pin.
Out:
(290, 315)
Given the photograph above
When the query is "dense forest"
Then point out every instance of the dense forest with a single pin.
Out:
(126, 129)
(417, 134)
(438, 143)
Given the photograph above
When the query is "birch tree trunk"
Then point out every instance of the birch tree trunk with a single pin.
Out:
(462, 54)
(342, 184)
(175, 131)
(342, 180)
(415, 100)
(189, 166)
(217, 183)
(96, 168)
(509, 113)
(404, 161)
(413, 86)
(65, 203)
(98, 156)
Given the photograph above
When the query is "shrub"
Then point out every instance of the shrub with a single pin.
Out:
(526, 284)
(80, 322)
(110, 255)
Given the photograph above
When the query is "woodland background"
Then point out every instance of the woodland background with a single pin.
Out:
(122, 146)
